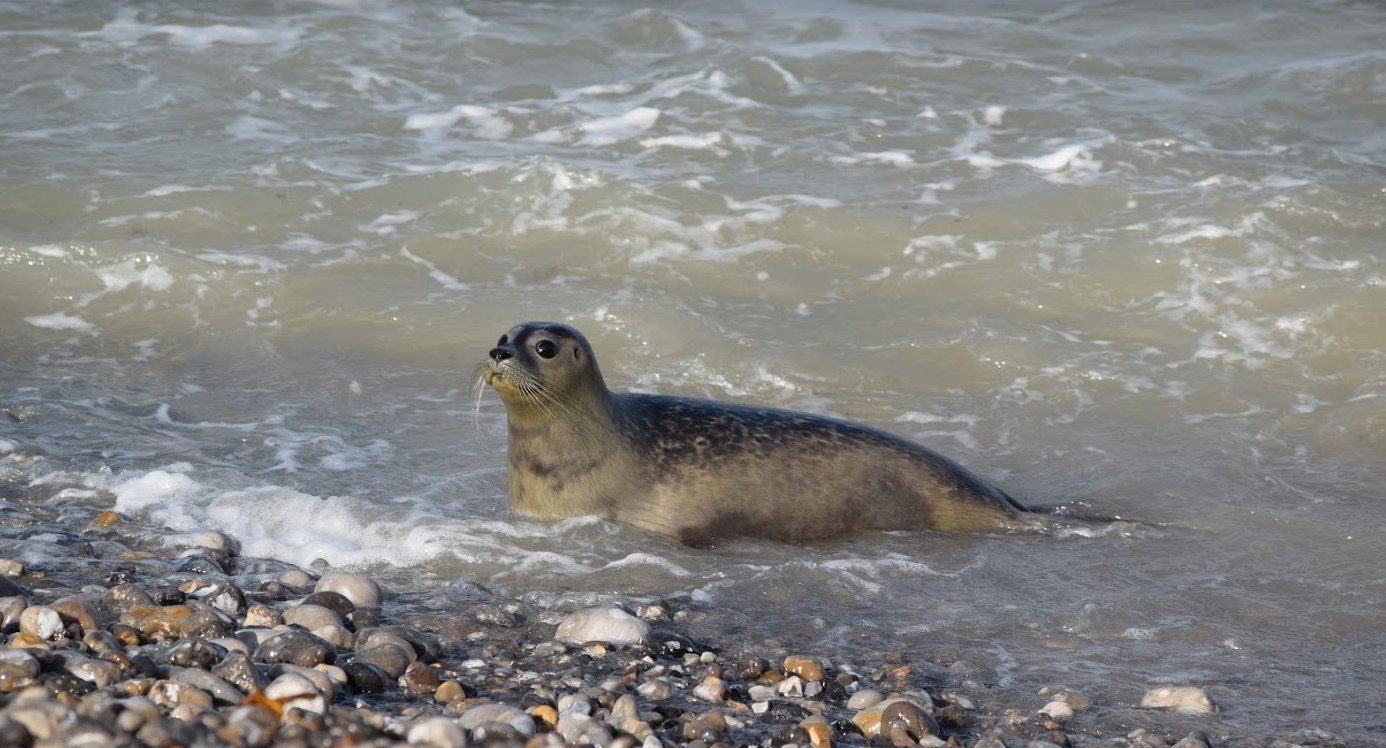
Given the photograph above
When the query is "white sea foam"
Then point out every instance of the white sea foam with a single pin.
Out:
(61, 321)
(127, 29)
(608, 130)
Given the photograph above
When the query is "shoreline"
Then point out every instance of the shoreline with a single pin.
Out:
(142, 637)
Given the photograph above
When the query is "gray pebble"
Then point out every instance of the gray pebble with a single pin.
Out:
(296, 647)
(311, 617)
(436, 732)
(473, 717)
(390, 658)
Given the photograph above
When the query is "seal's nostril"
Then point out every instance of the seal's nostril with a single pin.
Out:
(501, 354)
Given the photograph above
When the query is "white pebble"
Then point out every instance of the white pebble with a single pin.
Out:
(865, 699)
(610, 625)
(1185, 699)
(295, 690)
(360, 589)
(1059, 711)
(41, 621)
(437, 732)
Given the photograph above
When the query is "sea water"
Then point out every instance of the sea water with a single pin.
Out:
(1119, 258)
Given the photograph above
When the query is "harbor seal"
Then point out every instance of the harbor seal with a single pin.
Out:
(699, 470)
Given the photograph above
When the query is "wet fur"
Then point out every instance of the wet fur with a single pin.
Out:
(698, 470)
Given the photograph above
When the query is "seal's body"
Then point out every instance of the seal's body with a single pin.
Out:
(698, 470)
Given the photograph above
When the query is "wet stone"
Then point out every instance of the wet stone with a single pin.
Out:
(194, 653)
(808, 668)
(420, 679)
(366, 677)
(709, 727)
(865, 698)
(220, 596)
(436, 732)
(750, 668)
(1185, 699)
(41, 622)
(473, 717)
(602, 624)
(360, 589)
(222, 691)
(311, 616)
(296, 647)
(74, 609)
(18, 669)
(495, 615)
(330, 599)
(158, 621)
(99, 673)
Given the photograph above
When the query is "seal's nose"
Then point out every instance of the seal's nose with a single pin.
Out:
(501, 354)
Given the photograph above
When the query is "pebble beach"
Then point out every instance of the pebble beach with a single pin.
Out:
(134, 636)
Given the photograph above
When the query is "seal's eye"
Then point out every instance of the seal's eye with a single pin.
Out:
(546, 348)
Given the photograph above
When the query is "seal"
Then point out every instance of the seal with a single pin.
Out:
(696, 471)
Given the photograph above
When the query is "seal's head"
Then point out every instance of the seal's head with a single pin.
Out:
(544, 371)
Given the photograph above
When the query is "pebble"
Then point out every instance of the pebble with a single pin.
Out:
(602, 624)
(711, 689)
(360, 589)
(311, 617)
(807, 668)
(1183, 699)
(1059, 711)
(41, 621)
(296, 647)
(865, 698)
(198, 660)
(436, 732)
(480, 714)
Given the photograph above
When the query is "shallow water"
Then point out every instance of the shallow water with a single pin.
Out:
(1114, 258)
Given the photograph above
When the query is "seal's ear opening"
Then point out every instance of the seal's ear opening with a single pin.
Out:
(577, 354)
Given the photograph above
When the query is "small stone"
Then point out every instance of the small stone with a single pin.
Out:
(901, 714)
(195, 653)
(656, 689)
(296, 647)
(360, 589)
(222, 691)
(311, 617)
(807, 668)
(1183, 699)
(388, 657)
(73, 609)
(711, 689)
(749, 668)
(1198, 739)
(41, 622)
(865, 698)
(420, 679)
(601, 624)
(366, 677)
(581, 729)
(820, 734)
(1059, 711)
(545, 715)
(100, 673)
(221, 596)
(436, 732)
(18, 669)
(297, 691)
(165, 620)
(709, 728)
(237, 669)
(252, 725)
(297, 578)
(333, 601)
(479, 714)
(450, 692)
(261, 616)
